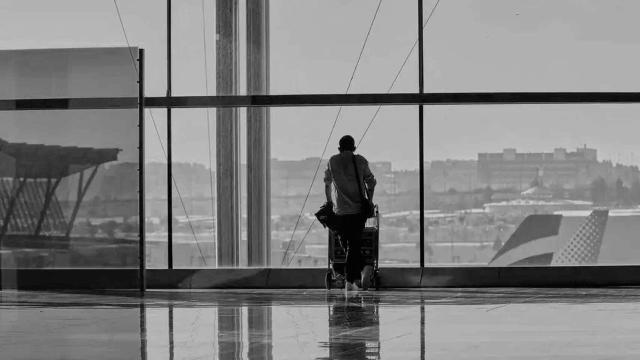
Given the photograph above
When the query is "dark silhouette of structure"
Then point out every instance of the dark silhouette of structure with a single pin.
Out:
(29, 177)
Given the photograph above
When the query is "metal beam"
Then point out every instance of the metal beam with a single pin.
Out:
(82, 191)
(24, 206)
(12, 203)
(69, 103)
(142, 264)
(495, 98)
(367, 99)
(48, 195)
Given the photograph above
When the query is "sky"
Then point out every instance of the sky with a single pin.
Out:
(470, 45)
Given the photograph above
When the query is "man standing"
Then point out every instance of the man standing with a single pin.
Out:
(342, 173)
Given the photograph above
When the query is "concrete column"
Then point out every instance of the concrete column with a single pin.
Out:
(227, 136)
(258, 137)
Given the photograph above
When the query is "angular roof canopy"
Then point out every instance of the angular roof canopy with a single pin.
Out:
(38, 161)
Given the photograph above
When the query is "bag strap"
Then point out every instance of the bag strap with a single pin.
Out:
(355, 166)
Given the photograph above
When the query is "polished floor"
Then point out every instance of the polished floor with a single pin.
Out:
(314, 324)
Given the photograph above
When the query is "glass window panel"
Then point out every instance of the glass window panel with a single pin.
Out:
(306, 55)
(68, 73)
(69, 188)
(505, 45)
(194, 189)
(156, 188)
(193, 30)
(298, 137)
(390, 145)
(315, 46)
(532, 185)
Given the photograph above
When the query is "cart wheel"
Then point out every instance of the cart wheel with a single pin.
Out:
(328, 279)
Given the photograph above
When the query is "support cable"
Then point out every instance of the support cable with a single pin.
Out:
(301, 241)
(335, 121)
(395, 79)
(175, 183)
(206, 87)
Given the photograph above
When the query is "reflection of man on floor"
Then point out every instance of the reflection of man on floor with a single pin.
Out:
(354, 329)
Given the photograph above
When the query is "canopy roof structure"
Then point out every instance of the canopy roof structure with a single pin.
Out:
(29, 177)
(38, 161)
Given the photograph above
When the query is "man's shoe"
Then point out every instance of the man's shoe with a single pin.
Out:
(367, 274)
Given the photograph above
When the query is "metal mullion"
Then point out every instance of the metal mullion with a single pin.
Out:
(141, 197)
(421, 127)
(68, 103)
(169, 147)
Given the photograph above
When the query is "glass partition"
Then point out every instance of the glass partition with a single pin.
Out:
(68, 73)
(69, 179)
(69, 188)
(91, 24)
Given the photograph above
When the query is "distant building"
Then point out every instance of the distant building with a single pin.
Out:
(293, 177)
(510, 169)
(461, 175)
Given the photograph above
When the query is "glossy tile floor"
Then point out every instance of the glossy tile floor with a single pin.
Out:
(315, 324)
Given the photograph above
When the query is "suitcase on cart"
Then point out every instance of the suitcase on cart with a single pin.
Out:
(337, 255)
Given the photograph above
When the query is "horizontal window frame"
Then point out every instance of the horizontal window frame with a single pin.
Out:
(312, 100)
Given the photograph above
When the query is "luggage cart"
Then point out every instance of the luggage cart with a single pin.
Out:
(337, 255)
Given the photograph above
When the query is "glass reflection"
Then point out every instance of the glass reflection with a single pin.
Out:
(266, 326)
(69, 189)
(234, 325)
(354, 328)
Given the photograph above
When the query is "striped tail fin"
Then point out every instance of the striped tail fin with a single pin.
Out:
(584, 246)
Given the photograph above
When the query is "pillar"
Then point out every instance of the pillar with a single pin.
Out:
(258, 137)
(227, 136)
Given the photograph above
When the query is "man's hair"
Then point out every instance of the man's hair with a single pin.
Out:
(347, 143)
